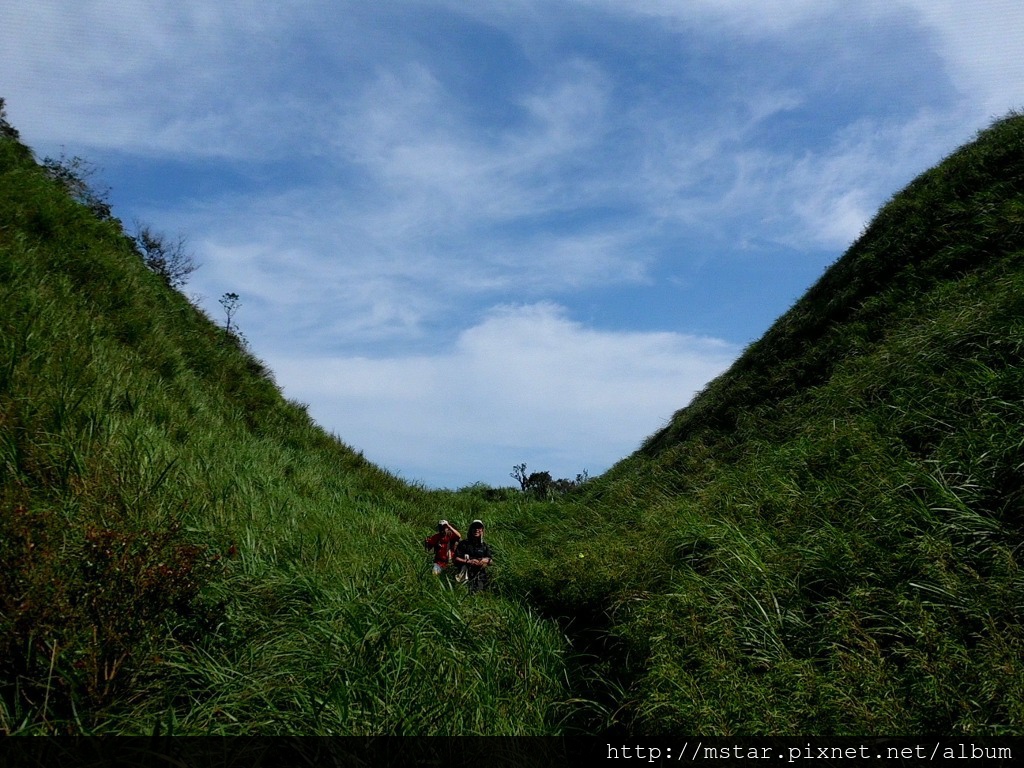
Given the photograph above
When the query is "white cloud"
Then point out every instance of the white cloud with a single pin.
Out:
(835, 194)
(740, 17)
(165, 78)
(981, 43)
(437, 167)
(435, 214)
(525, 384)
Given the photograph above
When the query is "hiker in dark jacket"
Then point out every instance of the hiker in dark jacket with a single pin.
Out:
(443, 544)
(474, 555)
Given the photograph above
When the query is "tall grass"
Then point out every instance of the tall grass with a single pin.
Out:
(826, 541)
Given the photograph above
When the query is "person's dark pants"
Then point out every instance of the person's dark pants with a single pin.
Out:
(478, 581)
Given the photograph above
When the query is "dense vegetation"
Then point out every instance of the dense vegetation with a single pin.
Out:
(827, 540)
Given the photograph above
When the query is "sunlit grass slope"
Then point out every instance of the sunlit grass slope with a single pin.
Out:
(182, 550)
(828, 539)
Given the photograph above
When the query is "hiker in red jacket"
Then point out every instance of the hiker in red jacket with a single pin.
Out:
(443, 543)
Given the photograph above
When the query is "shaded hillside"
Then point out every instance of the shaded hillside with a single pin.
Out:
(828, 539)
(183, 550)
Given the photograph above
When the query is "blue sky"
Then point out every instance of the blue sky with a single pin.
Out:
(474, 234)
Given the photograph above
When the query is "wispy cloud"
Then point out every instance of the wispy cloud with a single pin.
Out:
(836, 193)
(431, 213)
(433, 171)
(980, 43)
(739, 17)
(164, 78)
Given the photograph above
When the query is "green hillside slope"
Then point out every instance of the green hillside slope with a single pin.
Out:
(183, 550)
(828, 539)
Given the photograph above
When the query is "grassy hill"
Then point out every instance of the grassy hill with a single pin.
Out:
(183, 550)
(827, 540)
